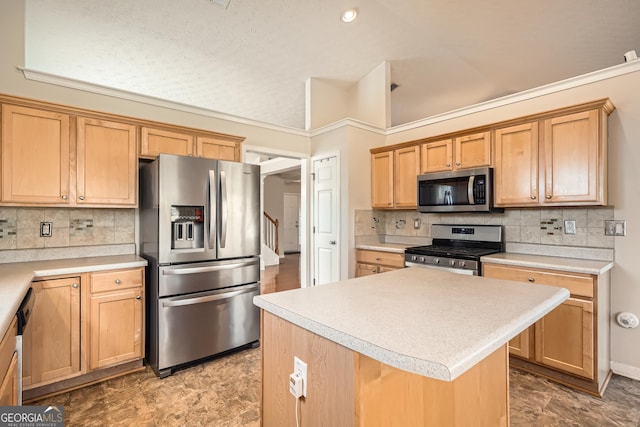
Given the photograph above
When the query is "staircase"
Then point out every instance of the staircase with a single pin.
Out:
(270, 250)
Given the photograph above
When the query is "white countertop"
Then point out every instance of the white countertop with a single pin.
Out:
(385, 247)
(573, 265)
(429, 322)
(15, 278)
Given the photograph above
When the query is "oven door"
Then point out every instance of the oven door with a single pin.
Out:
(463, 271)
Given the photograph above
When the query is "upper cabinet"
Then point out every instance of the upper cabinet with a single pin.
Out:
(394, 178)
(107, 168)
(461, 152)
(184, 143)
(35, 156)
(156, 141)
(554, 161)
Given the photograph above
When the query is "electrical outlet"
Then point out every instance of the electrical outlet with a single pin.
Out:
(615, 227)
(45, 229)
(416, 223)
(569, 226)
(300, 368)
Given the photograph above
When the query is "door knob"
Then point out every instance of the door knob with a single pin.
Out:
(332, 242)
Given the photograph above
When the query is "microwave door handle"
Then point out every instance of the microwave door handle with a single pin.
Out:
(470, 186)
(212, 208)
(223, 209)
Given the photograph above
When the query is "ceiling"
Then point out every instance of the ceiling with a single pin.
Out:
(252, 59)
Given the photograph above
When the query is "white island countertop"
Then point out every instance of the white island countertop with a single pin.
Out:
(15, 278)
(429, 322)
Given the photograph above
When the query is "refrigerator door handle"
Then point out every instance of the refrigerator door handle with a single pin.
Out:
(212, 208)
(223, 209)
(208, 298)
(207, 269)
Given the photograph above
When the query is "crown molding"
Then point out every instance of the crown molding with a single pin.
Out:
(346, 122)
(43, 77)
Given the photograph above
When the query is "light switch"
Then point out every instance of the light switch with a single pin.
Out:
(45, 229)
(615, 228)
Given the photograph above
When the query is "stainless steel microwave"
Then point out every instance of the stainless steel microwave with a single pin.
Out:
(468, 190)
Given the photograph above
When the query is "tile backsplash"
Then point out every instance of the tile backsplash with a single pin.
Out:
(526, 226)
(20, 227)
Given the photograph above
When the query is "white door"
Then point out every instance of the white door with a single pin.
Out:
(291, 222)
(326, 262)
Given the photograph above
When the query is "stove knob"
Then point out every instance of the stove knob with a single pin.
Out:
(437, 260)
(413, 257)
(421, 259)
(452, 263)
(462, 263)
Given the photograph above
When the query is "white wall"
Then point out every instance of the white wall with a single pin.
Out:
(274, 189)
(624, 191)
(369, 99)
(13, 82)
(326, 102)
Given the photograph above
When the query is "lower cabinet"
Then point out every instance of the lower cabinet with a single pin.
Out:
(570, 344)
(83, 329)
(117, 312)
(9, 367)
(373, 262)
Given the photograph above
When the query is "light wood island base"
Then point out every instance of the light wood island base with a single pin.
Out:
(346, 388)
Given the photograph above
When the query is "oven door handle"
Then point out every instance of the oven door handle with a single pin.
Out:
(206, 269)
(208, 298)
(472, 180)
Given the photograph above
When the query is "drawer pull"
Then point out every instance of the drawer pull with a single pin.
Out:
(377, 258)
(138, 297)
(74, 286)
(531, 279)
(118, 281)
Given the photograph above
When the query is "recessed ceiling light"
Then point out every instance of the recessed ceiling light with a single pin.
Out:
(349, 15)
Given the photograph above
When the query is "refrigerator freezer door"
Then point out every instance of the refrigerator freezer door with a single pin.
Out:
(238, 210)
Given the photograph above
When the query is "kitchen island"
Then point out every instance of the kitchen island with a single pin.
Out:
(409, 347)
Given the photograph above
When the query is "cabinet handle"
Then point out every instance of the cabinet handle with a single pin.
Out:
(118, 281)
(458, 163)
(374, 269)
(81, 197)
(548, 196)
(64, 197)
(138, 297)
(531, 279)
(448, 165)
(377, 258)
(74, 286)
(533, 197)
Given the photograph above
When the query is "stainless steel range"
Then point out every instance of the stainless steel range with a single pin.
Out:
(457, 248)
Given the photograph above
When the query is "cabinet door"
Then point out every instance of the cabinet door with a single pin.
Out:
(406, 170)
(107, 163)
(521, 345)
(437, 156)
(9, 384)
(382, 180)
(516, 171)
(156, 141)
(212, 148)
(35, 156)
(564, 338)
(365, 269)
(53, 332)
(116, 327)
(573, 159)
(472, 151)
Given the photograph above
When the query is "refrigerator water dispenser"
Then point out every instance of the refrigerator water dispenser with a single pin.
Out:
(187, 227)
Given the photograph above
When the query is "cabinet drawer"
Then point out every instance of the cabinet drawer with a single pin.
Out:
(578, 284)
(365, 269)
(380, 257)
(118, 279)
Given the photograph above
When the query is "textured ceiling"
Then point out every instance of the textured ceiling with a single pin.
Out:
(252, 59)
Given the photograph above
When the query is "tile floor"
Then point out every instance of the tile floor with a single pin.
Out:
(225, 392)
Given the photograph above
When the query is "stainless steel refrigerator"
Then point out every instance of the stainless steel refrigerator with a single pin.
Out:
(200, 233)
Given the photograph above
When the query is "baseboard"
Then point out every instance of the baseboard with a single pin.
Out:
(628, 371)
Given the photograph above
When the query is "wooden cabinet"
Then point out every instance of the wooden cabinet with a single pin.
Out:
(35, 156)
(570, 344)
(394, 178)
(461, 152)
(52, 339)
(382, 180)
(107, 166)
(217, 148)
(373, 262)
(556, 161)
(117, 313)
(43, 163)
(156, 141)
(9, 367)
